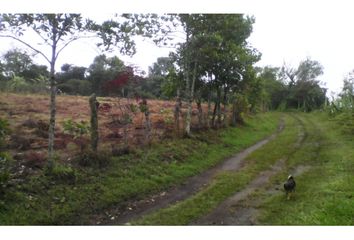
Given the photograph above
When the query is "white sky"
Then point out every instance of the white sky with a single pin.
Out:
(285, 31)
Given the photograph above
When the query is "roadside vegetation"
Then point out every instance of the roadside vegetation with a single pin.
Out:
(70, 195)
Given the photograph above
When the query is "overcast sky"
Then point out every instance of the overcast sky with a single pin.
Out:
(285, 31)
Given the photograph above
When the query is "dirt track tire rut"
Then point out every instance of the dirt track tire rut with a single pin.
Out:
(231, 212)
(194, 184)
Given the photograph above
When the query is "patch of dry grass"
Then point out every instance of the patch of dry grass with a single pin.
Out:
(19, 108)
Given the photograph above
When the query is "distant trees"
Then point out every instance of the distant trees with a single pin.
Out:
(341, 108)
(18, 72)
(304, 90)
(290, 87)
(57, 31)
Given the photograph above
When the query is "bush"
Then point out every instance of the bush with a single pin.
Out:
(62, 174)
(35, 159)
(89, 158)
(18, 141)
(4, 171)
(76, 129)
(4, 130)
(76, 86)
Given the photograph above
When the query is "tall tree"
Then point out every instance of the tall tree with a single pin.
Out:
(304, 90)
(104, 69)
(16, 62)
(19, 63)
(57, 31)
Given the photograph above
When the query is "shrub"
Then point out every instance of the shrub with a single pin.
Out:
(119, 151)
(20, 142)
(30, 123)
(4, 171)
(4, 131)
(35, 159)
(62, 174)
(89, 158)
(76, 129)
(76, 86)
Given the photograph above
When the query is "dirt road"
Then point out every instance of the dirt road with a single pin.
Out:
(134, 210)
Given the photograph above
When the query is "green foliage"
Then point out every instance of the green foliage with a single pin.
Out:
(89, 158)
(5, 159)
(341, 109)
(103, 69)
(324, 193)
(4, 128)
(76, 86)
(132, 176)
(76, 129)
(5, 163)
(17, 84)
(143, 107)
(63, 174)
(16, 62)
(304, 91)
(69, 71)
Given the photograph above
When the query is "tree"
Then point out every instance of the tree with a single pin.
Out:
(19, 63)
(57, 31)
(304, 90)
(104, 69)
(275, 90)
(15, 62)
(157, 80)
(347, 93)
(69, 71)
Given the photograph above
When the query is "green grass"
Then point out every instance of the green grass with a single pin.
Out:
(227, 183)
(43, 200)
(324, 194)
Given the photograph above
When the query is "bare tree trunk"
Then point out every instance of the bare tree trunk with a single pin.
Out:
(147, 127)
(218, 108)
(94, 122)
(209, 110)
(177, 113)
(234, 113)
(188, 89)
(53, 91)
(189, 102)
(200, 112)
(225, 107)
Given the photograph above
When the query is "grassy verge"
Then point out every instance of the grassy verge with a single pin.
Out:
(227, 183)
(324, 193)
(46, 201)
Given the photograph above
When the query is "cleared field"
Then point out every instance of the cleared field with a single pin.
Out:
(28, 116)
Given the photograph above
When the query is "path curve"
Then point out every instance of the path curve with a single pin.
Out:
(231, 212)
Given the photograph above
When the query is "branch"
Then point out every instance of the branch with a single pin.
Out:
(45, 40)
(23, 42)
(70, 41)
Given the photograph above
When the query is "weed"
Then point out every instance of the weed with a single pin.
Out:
(89, 158)
(62, 174)
(35, 159)
(4, 172)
